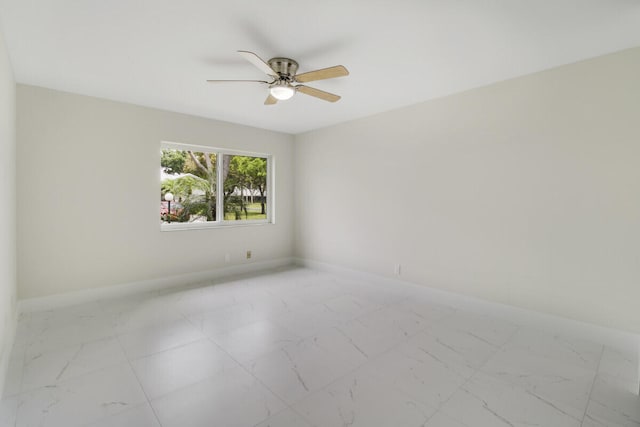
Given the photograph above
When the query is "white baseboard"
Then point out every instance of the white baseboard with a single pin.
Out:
(522, 316)
(51, 302)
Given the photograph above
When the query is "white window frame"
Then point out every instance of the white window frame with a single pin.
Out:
(222, 223)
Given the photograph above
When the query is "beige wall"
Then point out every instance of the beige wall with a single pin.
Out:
(525, 192)
(7, 209)
(88, 194)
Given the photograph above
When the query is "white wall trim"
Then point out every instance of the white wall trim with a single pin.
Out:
(51, 302)
(526, 317)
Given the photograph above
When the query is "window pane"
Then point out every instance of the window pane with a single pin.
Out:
(245, 188)
(189, 176)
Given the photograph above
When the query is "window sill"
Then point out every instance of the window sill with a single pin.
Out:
(181, 226)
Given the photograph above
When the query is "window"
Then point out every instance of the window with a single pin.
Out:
(205, 187)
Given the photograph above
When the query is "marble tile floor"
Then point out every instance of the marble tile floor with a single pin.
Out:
(296, 347)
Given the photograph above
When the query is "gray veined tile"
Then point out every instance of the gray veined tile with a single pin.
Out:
(358, 286)
(393, 339)
(333, 341)
(392, 321)
(589, 422)
(122, 304)
(205, 300)
(232, 398)
(422, 376)
(368, 340)
(381, 330)
(269, 301)
(427, 348)
(359, 400)
(422, 307)
(594, 422)
(24, 316)
(492, 330)
(343, 307)
(253, 340)
(22, 330)
(382, 294)
(54, 366)
(567, 386)
(304, 324)
(149, 313)
(227, 319)
(297, 370)
(442, 420)
(485, 401)
(463, 352)
(15, 370)
(269, 306)
(612, 405)
(53, 337)
(154, 339)
(286, 286)
(286, 418)
(8, 411)
(169, 370)
(621, 364)
(81, 400)
(64, 316)
(558, 347)
(138, 416)
(318, 294)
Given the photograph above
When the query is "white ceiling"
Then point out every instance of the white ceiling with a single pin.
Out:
(159, 53)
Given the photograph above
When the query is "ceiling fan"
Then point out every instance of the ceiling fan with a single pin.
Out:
(282, 72)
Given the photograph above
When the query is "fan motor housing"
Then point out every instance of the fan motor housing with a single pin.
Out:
(285, 67)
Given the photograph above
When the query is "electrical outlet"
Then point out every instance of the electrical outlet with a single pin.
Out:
(248, 254)
(227, 258)
(396, 269)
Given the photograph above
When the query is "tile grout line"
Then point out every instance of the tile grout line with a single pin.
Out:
(350, 372)
(477, 370)
(595, 377)
(114, 337)
(525, 388)
(241, 365)
(139, 382)
(290, 406)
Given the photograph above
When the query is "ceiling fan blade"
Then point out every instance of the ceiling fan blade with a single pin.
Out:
(318, 93)
(325, 73)
(237, 81)
(270, 100)
(258, 62)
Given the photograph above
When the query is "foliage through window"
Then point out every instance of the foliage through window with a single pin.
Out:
(190, 194)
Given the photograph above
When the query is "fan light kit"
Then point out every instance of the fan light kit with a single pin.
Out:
(285, 81)
(281, 91)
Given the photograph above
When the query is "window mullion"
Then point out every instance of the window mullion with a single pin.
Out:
(219, 187)
(270, 190)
